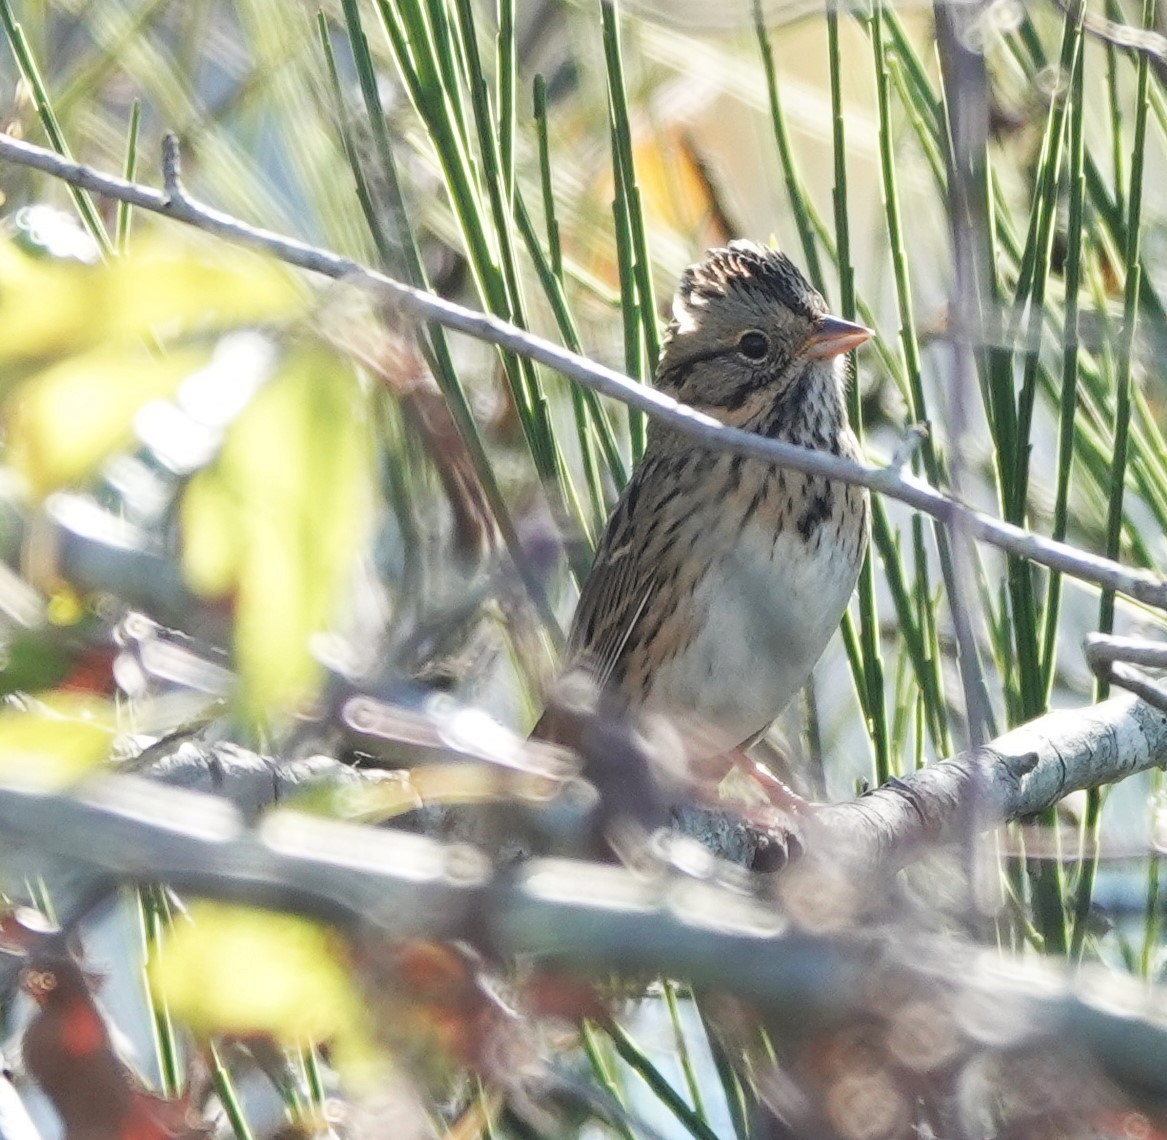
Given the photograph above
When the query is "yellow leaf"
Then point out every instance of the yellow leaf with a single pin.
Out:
(51, 309)
(47, 308)
(70, 417)
(234, 970)
(274, 616)
(285, 509)
(54, 743)
(160, 285)
(210, 555)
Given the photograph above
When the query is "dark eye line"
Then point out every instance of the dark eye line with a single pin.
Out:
(682, 366)
(679, 371)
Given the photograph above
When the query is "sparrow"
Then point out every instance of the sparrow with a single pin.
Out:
(719, 579)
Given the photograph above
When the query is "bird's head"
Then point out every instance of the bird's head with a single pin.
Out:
(748, 333)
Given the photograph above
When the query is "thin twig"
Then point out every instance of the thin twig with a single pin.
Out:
(1112, 658)
(1125, 677)
(1106, 647)
(420, 305)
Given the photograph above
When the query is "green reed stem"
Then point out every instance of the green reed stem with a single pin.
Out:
(505, 80)
(735, 1090)
(630, 228)
(1068, 401)
(969, 661)
(1115, 100)
(129, 171)
(635, 1058)
(550, 271)
(30, 73)
(794, 188)
(605, 1073)
(909, 343)
(554, 251)
(154, 918)
(684, 1057)
(590, 420)
(1029, 53)
(922, 650)
(434, 345)
(548, 455)
(1151, 918)
(1026, 699)
(870, 678)
(1122, 410)
(1089, 859)
(1032, 688)
(225, 1088)
(314, 1077)
(1087, 873)
(428, 51)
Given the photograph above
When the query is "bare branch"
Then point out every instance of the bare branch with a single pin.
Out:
(710, 432)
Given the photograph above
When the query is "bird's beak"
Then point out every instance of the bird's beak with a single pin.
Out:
(830, 336)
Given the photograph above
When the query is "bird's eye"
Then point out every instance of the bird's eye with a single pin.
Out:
(753, 345)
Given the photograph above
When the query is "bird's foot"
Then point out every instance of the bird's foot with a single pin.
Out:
(777, 794)
(778, 820)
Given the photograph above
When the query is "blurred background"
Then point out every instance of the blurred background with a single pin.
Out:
(233, 496)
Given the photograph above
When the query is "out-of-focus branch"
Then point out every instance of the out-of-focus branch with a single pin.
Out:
(382, 884)
(1153, 44)
(174, 202)
(1017, 775)
(965, 84)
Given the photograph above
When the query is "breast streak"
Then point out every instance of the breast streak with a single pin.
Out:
(761, 622)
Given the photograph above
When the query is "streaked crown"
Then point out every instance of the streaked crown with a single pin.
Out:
(743, 335)
(755, 274)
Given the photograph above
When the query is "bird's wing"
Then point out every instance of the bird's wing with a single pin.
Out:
(618, 588)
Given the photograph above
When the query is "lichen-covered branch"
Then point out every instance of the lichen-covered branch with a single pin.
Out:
(1019, 774)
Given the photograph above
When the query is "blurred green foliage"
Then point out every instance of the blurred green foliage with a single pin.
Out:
(271, 526)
